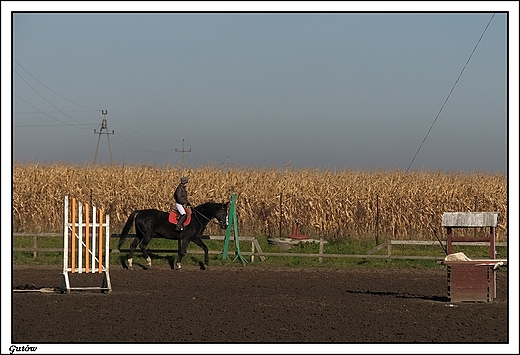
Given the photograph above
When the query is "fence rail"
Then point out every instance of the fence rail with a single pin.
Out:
(256, 250)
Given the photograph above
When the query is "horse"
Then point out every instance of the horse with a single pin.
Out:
(154, 223)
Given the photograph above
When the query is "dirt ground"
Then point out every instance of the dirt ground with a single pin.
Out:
(252, 304)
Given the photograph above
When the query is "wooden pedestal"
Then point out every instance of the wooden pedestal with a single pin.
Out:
(471, 281)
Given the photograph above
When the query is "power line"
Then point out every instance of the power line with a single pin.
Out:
(28, 112)
(64, 98)
(140, 148)
(139, 133)
(449, 94)
(79, 123)
(36, 91)
(104, 123)
(197, 153)
(45, 125)
(54, 118)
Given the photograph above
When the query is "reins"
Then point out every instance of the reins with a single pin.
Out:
(208, 219)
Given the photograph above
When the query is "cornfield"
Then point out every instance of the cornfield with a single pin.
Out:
(329, 204)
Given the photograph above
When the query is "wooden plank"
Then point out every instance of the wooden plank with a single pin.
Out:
(471, 239)
(354, 256)
(431, 242)
(468, 297)
(469, 276)
(37, 249)
(204, 237)
(257, 245)
(470, 283)
(481, 244)
(380, 246)
(263, 255)
(413, 242)
(469, 219)
(20, 234)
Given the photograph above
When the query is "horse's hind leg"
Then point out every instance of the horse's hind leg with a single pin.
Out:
(143, 247)
(145, 235)
(133, 246)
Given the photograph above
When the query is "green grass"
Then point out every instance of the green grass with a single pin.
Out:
(355, 247)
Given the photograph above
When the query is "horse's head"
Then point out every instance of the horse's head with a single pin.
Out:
(210, 210)
(222, 215)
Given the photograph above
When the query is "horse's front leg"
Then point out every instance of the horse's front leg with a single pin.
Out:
(182, 251)
(201, 244)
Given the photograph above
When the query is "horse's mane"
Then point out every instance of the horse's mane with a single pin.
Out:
(207, 205)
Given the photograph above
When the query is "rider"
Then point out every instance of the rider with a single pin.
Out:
(181, 201)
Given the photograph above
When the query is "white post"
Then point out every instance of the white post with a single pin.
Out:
(107, 237)
(80, 237)
(66, 234)
(94, 238)
(65, 287)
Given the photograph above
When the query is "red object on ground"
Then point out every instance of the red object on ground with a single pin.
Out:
(298, 236)
(295, 234)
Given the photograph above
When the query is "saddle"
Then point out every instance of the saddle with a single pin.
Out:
(173, 217)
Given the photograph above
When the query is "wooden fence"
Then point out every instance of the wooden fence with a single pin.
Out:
(256, 250)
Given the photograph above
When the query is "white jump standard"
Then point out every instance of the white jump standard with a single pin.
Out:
(89, 252)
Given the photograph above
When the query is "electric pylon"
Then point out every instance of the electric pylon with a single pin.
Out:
(183, 151)
(104, 126)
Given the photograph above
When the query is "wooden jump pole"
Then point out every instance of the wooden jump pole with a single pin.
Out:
(100, 244)
(94, 237)
(87, 239)
(73, 241)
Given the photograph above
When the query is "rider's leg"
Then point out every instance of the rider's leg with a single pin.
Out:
(182, 218)
(180, 222)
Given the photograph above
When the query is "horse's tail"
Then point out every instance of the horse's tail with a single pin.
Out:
(126, 229)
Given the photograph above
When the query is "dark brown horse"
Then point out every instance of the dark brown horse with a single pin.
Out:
(154, 223)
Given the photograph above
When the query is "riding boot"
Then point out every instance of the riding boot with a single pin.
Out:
(180, 223)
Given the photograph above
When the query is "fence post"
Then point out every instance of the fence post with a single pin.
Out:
(281, 211)
(35, 245)
(377, 219)
(321, 249)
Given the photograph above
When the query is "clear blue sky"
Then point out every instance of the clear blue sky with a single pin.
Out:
(331, 90)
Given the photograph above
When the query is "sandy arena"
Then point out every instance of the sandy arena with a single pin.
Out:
(253, 304)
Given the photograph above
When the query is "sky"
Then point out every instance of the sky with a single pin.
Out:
(332, 85)
(337, 90)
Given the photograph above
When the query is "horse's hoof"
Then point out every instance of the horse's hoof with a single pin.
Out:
(178, 266)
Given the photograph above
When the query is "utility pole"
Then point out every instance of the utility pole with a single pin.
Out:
(183, 151)
(104, 126)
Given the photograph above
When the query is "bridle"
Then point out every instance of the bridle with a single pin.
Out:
(208, 219)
